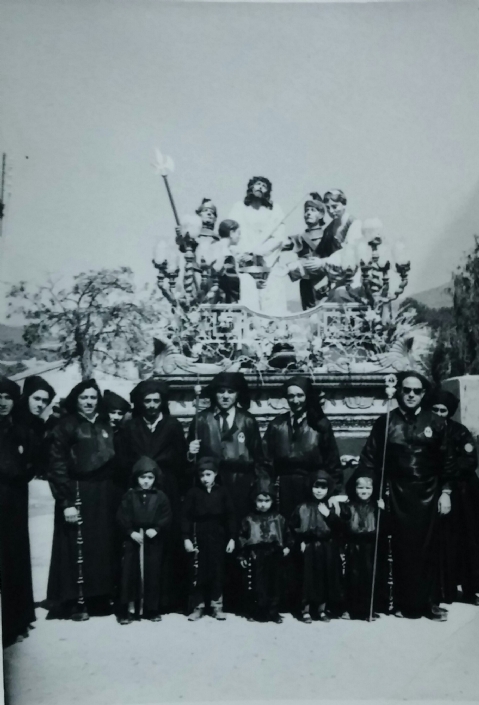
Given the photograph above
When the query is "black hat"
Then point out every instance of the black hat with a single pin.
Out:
(303, 383)
(70, 403)
(441, 396)
(8, 386)
(144, 465)
(321, 476)
(230, 380)
(207, 463)
(150, 386)
(315, 201)
(114, 402)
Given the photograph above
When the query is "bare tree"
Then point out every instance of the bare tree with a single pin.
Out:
(95, 321)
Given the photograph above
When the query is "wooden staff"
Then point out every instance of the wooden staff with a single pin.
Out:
(391, 382)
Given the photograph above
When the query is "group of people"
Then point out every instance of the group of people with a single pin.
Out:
(149, 521)
(251, 258)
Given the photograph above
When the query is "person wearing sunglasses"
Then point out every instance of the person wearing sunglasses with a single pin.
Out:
(459, 546)
(418, 465)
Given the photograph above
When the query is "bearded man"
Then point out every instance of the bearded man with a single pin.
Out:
(262, 236)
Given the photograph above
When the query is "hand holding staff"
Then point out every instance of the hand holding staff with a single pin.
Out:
(391, 382)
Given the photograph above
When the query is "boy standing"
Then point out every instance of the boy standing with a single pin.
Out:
(208, 526)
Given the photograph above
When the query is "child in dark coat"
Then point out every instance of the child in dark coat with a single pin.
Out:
(315, 527)
(264, 540)
(360, 519)
(209, 526)
(144, 515)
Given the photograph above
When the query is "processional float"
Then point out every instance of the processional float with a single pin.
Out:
(347, 349)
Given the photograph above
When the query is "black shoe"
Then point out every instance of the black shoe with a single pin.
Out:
(276, 618)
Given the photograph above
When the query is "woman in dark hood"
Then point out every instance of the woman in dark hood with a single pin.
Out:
(82, 570)
(459, 530)
(15, 472)
(37, 395)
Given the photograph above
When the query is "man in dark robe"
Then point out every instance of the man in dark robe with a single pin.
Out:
(82, 568)
(300, 442)
(227, 432)
(117, 408)
(459, 530)
(154, 433)
(418, 467)
(15, 566)
(310, 248)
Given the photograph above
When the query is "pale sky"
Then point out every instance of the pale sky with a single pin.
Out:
(381, 100)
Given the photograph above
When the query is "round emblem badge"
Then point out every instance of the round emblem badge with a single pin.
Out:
(468, 447)
(105, 433)
(20, 450)
(428, 432)
(241, 437)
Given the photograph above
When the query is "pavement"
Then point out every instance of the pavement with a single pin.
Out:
(99, 662)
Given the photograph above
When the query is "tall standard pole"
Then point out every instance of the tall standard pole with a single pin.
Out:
(2, 192)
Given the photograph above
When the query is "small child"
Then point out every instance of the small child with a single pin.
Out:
(144, 515)
(208, 525)
(314, 525)
(264, 540)
(360, 517)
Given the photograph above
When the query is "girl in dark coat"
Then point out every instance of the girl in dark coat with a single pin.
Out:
(15, 566)
(82, 566)
(459, 530)
(37, 395)
(360, 517)
(144, 514)
(316, 528)
(209, 528)
(299, 442)
(264, 540)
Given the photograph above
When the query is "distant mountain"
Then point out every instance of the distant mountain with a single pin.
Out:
(438, 297)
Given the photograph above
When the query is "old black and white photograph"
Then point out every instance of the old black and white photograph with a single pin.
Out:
(239, 351)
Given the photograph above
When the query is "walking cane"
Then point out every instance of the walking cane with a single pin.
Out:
(142, 571)
(391, 382)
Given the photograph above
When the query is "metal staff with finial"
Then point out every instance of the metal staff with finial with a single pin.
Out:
(165, 165)
(197, 390)
(391, 382)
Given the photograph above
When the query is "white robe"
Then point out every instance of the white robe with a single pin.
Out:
(262, 233)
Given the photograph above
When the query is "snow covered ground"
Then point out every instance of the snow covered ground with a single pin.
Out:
(101, 663)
